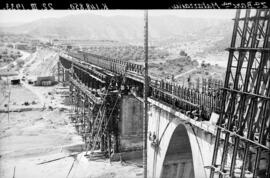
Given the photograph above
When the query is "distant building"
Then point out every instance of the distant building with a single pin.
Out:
(45, 81)
(15, 81)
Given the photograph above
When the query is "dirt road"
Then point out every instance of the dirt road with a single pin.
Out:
(185, 73)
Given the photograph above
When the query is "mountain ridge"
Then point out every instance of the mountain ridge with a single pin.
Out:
(119, 28)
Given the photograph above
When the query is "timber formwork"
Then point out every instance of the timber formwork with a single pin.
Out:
(245, 112)
(95, 100)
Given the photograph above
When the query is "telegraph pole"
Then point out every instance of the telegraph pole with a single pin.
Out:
(145, 118)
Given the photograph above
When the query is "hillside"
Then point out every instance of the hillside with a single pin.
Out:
(128, 53)
(120, 28)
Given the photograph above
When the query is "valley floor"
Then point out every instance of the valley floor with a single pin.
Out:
(41, 131)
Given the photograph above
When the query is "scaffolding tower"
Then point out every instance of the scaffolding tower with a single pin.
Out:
(245, 116)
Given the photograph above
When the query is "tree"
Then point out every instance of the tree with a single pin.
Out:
(20, 62)
(203, 64)
(183, 53)
(195, 62)
(188, 58)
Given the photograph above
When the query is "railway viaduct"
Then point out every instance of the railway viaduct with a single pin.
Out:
(211, 130)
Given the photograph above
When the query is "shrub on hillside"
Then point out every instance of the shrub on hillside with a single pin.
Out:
(20, 62)
(183, 53)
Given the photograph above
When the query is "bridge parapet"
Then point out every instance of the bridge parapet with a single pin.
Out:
(187, 99)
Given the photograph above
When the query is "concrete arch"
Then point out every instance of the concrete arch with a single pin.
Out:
(178, 161)
(165, 125)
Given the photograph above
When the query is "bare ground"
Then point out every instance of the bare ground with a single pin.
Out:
(44, 133)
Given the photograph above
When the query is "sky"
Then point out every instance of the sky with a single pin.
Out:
(24, 16)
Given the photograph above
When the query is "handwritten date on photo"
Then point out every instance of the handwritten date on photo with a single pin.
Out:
(49, 6)
(32, 6)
